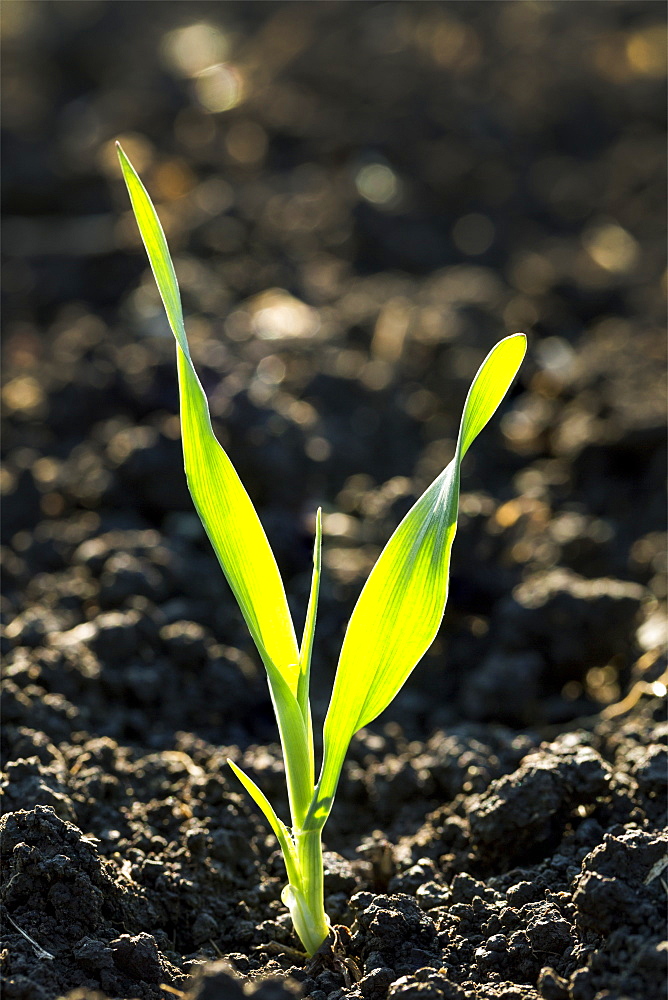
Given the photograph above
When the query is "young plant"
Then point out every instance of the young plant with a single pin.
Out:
(394, 621)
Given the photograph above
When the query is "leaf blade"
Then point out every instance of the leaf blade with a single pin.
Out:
(407, 589)
(306, 648)
(220, 498)
(260, 799)
(490, 385)
(279, 828)
(155, 242)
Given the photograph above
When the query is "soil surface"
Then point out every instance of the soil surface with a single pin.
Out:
(361, 199)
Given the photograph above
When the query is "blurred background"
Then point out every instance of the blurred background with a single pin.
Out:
(361, 198)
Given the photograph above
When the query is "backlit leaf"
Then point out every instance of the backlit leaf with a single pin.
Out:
(280, 830)
(222, 503)
(401, 605)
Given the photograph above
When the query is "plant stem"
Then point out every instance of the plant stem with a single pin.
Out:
(306, 901)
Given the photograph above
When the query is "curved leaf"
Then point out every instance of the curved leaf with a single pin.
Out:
(401, 605)
(280, 829)
(222, 503)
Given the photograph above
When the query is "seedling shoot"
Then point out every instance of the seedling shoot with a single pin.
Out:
(394, 622)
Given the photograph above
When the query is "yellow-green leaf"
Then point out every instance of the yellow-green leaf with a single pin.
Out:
(280, 830)
(488, 388)
(401, 605)
(306, 648)
(222, 503)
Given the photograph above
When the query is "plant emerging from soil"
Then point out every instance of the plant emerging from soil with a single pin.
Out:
(394, 621)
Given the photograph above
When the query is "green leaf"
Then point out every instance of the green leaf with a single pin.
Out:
(222, 503)
(260, 800)
(488, 388)
(306, 649)
(309, 625)
(279, 828)
(401, 605)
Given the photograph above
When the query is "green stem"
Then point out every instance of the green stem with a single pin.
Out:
(306, 899)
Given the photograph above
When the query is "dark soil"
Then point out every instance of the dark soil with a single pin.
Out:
(394, 187)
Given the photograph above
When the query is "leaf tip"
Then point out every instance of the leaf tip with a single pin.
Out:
(521, 338)
(126, 166)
